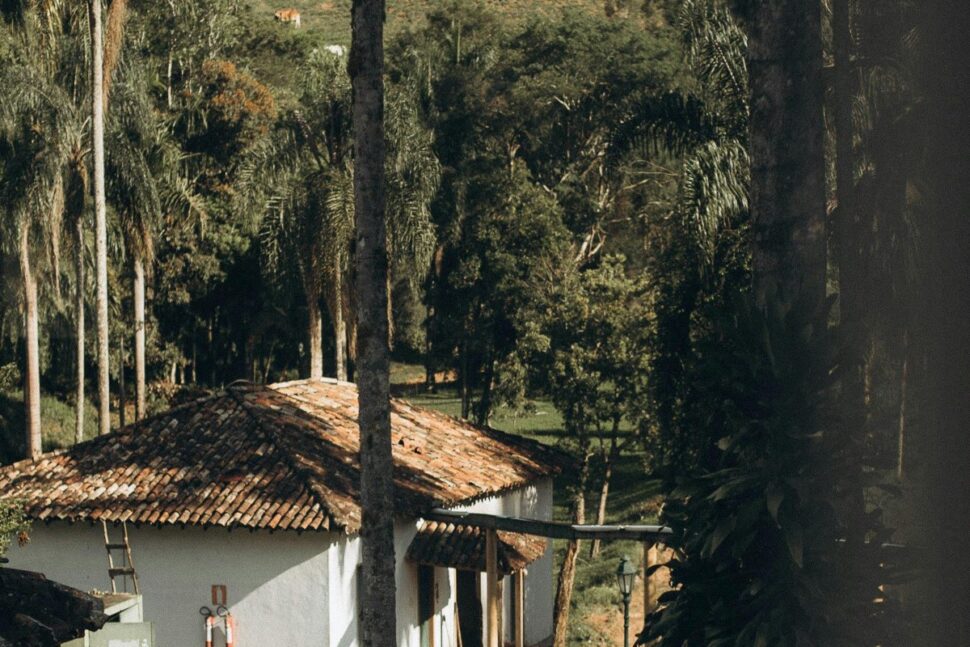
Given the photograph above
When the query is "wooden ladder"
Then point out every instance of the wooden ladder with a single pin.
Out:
(127, 568)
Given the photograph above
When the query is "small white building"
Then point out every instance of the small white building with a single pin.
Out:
(250, 498)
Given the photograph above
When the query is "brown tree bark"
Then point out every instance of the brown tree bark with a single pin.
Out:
(339, 325)
(857, 374)
(609, 459)
(567, 574)
(100, 218)
(903, 397)
(77, 191)
(79, 399)
(786, 147)
(315, 335)
(32, 376)
(138, 292)
(366, 66)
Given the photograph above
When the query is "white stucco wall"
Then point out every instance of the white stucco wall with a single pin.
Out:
(532, 502)
(276, 583)
(283, 588)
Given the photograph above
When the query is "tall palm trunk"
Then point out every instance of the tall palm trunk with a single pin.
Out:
(339, 326)
(373, 354)
(32, 378)
(567, 574)
(138, 293)
(903, 396)
(315, 335)
(100, 218)
(76, 196)
(855, 386)
(786, 144)
(79, 400)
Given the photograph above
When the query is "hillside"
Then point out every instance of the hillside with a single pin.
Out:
(276, 48)
(330, 20)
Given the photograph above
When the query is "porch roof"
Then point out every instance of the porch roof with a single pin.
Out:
(463, 547)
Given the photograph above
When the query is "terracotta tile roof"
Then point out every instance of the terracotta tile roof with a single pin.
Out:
(270, 457)
(457, 546)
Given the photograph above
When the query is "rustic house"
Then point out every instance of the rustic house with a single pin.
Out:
(249, 499)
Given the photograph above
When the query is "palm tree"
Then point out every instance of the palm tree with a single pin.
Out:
(75, 208)
(373, 353)
(36, 127)
(310, 212)
(707, 127)
(100, 218)
(141, 164)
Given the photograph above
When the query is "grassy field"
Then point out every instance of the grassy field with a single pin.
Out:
(276, 49)
(330, 20)
(57, 424)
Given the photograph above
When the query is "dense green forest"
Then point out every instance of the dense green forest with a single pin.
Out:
(229, 173)
(573, 220)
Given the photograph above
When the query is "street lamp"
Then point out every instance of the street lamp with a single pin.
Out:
(626, 572)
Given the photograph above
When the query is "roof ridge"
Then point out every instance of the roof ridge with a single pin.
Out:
(310, 380)
(273, 437)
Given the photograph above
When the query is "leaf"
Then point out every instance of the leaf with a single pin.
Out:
(653, 569)
(794, 541)
(724, 528)
(773, 499)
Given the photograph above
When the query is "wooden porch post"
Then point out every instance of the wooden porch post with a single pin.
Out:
(493, 591)
(649, 587)
(518, 581)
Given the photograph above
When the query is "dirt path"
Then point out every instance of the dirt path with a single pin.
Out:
(608, 622)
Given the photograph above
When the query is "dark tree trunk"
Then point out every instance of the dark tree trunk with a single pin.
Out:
(854, 398)
(377, 619)
(903, 395)
(609, 459)
(567, 574)
(786, 146)
(944, 513)
(485, 404)
(465, 388)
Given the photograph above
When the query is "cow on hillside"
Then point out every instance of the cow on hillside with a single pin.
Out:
(288, 15)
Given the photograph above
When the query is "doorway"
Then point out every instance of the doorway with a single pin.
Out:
(469, 608)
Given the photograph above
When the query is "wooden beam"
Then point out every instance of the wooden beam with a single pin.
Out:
(518, 584)
(549, 529)
(493, 601)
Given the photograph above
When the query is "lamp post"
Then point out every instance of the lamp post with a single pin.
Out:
(626, 572)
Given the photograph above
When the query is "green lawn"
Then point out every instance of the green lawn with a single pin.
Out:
(57, 424)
